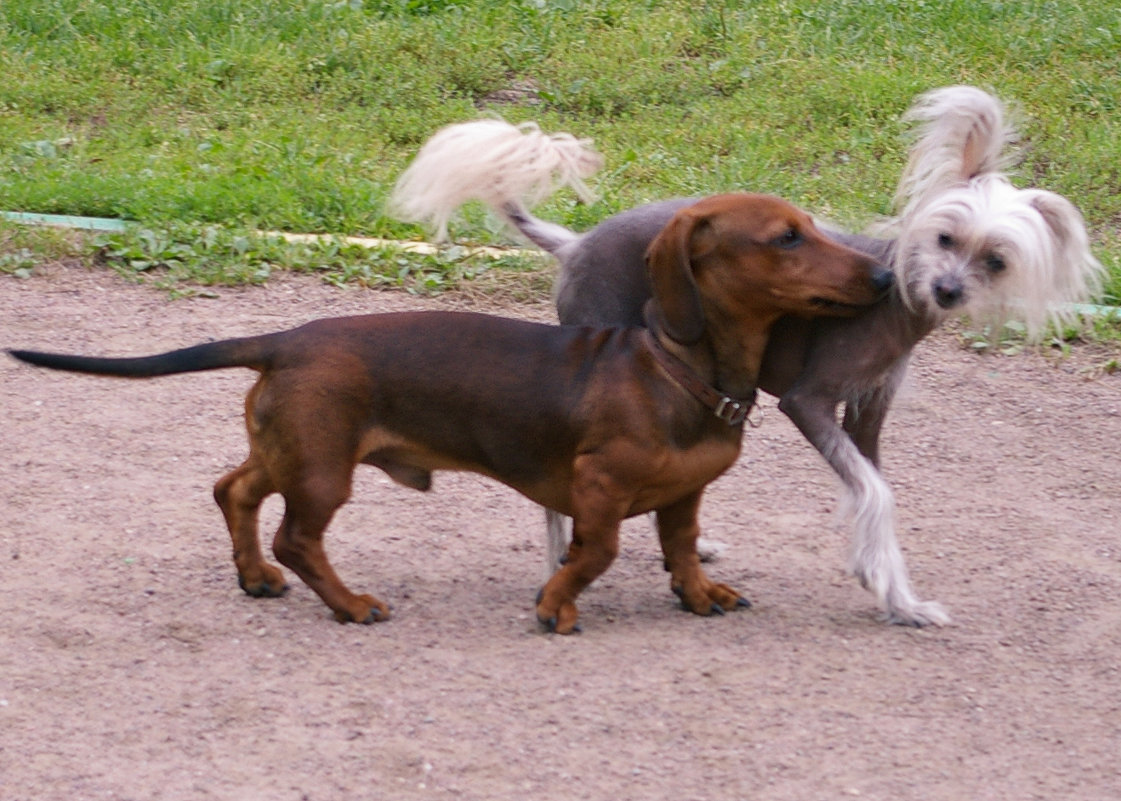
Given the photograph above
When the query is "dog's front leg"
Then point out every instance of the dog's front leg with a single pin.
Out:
(598, 510)
(591, 552)
(678, 531)
(875, 557)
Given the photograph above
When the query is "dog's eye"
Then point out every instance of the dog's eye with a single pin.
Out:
(995, 263)
(945, 241)
(791, 239)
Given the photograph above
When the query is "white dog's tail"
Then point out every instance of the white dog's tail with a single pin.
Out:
(961, 132)
(507, 167)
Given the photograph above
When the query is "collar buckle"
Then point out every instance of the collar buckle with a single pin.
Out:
(729, 410)
(732, 412)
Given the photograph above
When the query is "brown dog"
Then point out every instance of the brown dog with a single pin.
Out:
(598, 424)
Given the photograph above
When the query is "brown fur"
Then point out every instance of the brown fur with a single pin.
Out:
(580, 420)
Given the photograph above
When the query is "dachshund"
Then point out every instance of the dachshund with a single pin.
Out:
(596, 423)
(965, 241)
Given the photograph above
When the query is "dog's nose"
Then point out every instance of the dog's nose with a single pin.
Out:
(882, 279)
(948, 293)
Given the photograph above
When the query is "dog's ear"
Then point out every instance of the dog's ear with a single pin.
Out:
(669, 261)
(1061, 217)
(1074, 275)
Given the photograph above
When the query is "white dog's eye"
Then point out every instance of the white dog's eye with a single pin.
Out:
(945, 241)
(995, 263)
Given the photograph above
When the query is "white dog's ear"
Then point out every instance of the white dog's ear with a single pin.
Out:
(1077, 274)
(1063, 220)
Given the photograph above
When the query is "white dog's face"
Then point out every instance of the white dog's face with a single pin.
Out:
(994, 251)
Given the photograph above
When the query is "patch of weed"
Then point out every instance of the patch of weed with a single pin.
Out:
(268, 114)
(180, 255)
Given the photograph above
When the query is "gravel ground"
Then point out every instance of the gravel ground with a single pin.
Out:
(132, 667)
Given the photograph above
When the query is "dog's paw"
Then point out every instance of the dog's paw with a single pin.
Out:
(271, 586)
(559, 620)
(564, 622)
(710, 599)
(919, 615)
(366, 610)
(553, 627)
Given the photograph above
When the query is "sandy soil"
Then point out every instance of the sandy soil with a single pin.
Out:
(132, 667)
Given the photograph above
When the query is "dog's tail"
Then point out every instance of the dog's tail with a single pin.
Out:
(509, 168)
(961, 132)
(252, 352)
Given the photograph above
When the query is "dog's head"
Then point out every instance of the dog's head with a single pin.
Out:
(971, 242)
(749, 257)
(996, 252)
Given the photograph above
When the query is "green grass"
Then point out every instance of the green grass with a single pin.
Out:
(191, 116)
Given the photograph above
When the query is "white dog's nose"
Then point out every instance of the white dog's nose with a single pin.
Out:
(948, 292)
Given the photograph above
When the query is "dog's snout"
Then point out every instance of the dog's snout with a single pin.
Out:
(948, 292)
(882, 279)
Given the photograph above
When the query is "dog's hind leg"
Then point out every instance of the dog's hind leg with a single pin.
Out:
(239, 495)
(865, 413)
(310, 503)
(876, 559)
(678, 531)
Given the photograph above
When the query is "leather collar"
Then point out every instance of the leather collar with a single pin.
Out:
(730, 410)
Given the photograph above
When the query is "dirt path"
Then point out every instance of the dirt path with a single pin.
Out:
(132, 667)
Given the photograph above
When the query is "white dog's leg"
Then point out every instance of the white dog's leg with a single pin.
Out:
(875, 557)
(558, 534)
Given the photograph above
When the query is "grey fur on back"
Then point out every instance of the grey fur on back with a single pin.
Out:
(603, 279)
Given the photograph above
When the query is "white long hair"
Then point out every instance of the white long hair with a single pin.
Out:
(1020, 254)
(494, 162)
